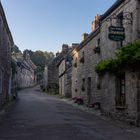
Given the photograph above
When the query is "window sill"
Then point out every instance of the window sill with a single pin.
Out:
(121, 107)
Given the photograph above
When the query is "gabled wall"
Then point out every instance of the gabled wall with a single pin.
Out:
(6, 42)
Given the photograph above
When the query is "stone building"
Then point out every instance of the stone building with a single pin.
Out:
(120, 95)
(106, 90)
(84, 78)
(65, 73)
(51, 72)
(50, 76)
(6, 42)
(25, 75)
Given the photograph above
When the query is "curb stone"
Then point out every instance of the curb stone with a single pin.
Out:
(122, 125)
(84, 108)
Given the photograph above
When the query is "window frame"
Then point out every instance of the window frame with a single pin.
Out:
(1, 79)
(121, 91)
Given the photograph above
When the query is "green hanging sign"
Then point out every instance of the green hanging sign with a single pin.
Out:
(116, 33)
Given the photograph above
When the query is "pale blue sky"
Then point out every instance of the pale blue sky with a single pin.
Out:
(47, 24)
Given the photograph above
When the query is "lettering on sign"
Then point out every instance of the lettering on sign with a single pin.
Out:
(116, 33)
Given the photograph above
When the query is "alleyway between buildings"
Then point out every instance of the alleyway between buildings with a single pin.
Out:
(38, 116)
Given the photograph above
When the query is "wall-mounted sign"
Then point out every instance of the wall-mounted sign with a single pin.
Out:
(116, 33)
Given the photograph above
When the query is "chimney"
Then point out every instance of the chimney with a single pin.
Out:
(84, 36)
(95, 22)
(65, 48)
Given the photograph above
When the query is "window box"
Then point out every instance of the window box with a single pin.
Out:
(97, 50)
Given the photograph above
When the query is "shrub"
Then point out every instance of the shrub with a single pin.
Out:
(106, 65)
(128, 55)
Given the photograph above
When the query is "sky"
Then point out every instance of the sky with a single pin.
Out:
(47, 24)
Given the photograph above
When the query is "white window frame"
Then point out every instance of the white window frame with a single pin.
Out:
(1, 81)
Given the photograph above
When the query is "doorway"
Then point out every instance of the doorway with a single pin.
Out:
(89, 91)
(138, 100)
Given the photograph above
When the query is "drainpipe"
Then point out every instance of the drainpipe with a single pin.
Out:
(137, 19)
(138, 100)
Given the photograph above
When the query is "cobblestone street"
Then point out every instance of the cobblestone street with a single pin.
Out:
(38, 116)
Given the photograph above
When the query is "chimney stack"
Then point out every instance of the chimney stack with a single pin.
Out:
(84, 36)
(65, 48)
(95, 23)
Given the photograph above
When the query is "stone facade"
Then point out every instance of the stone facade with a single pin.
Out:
(50, 77)
(84, 78)
(6, 42)
(51, 73)
(64, 67)
(25, 75)
(97, 46)
(110, 89)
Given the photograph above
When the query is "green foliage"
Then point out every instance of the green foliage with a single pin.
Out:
(127, 56)
(106, 65)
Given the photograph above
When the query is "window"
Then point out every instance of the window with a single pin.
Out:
(97, 48)
(99, 42)
(75, 63)
(83, 54)
(82, 60)
(98, 81)
(83, 84)
(89, 96)
(0, 81)
(120, 91)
